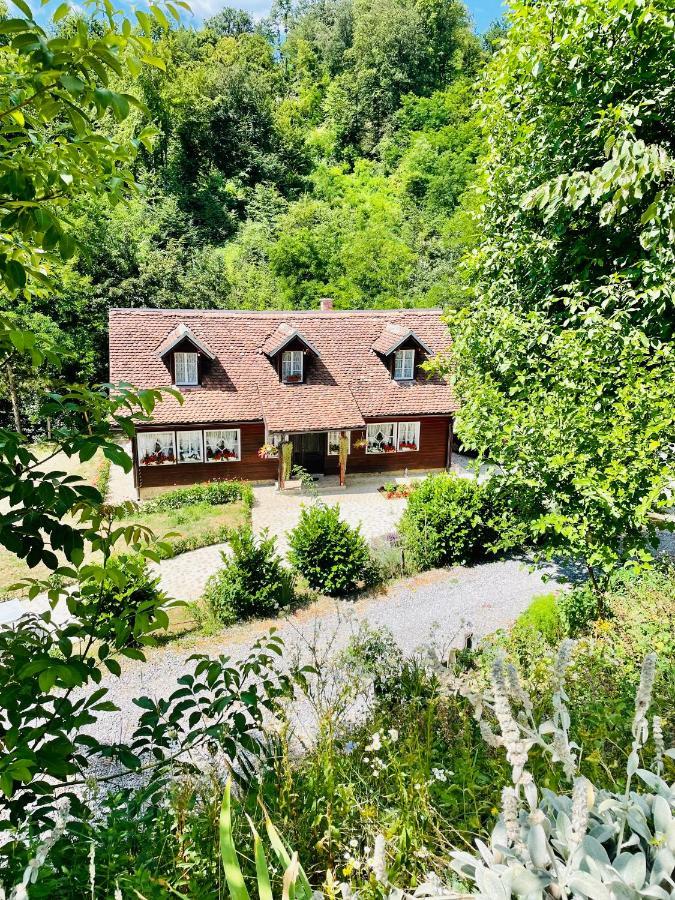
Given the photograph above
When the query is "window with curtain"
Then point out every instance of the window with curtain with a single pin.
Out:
(334, 443)
(185, 368)
(381, 437)
(223, 445)
(408, 436)
(291, 366)
(189, 446)
(156, 449)
(404, 365)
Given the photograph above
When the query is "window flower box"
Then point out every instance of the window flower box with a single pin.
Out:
(157, 459)
(407, 445)
(292, 379)
(388, 448)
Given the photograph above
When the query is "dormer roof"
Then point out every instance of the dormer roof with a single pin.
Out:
(282, 337)
(392, 336)
(179, 334)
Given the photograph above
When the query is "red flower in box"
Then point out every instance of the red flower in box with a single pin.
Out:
(292, 379)
(218, 455)
(389, 448)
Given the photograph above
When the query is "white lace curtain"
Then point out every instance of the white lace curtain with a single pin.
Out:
(156, 449)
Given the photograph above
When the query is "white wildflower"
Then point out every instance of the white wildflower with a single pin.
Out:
(579, 812)
(353, 843)
(92, 869)
(393, 735)
(488, 735)
(516, 747)
(643, 698)
(375, 742)
(659, 744)
(562, 752)
(510, 815)
(439, 775)
(118, 893)
(378, 862)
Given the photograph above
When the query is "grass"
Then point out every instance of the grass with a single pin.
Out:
(197, 526)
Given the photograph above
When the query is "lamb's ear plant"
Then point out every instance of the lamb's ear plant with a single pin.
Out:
(295, 884)
(594, 844)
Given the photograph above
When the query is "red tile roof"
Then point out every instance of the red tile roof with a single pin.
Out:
(347, 383)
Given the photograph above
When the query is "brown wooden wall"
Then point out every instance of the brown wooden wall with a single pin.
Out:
(250, 468)
(432, 453)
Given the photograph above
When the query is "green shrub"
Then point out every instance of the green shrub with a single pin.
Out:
(332, 556)
(444, 522)
(541, 618)
(214, 493)
(252, 582)
(577, 608)
(129, 589)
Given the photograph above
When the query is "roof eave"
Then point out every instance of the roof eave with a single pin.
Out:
(187, 334)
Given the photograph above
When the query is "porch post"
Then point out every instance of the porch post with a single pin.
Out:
(343, 453)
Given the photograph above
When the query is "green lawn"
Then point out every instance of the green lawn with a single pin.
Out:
(197, 525)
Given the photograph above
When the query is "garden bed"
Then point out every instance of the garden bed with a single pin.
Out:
(393, 491)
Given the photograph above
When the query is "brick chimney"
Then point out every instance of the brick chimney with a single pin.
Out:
(326, 304)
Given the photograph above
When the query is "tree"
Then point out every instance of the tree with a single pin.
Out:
(564, 355)
(230, 22)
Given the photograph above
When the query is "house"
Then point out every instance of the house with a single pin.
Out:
(253, 379)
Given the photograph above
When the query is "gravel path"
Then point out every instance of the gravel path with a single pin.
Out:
(440, 606)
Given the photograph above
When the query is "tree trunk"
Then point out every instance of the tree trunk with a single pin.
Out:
(14, 397)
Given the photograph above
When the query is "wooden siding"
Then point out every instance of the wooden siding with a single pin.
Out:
(432, 453)
(249, 468)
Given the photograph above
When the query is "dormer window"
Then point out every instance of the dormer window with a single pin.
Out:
(185, 369)
(291, 366)
(404, 365)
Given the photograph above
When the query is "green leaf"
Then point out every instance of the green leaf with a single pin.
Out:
(61, 12)
(233, 875)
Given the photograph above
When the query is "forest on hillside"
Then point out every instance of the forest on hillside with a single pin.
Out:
(326, 151)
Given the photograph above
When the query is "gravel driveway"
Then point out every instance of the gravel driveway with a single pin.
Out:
(440, 606)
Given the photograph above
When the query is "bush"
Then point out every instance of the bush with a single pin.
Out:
(577, 608)
(444, 522)
(252, 582)
(214, 493)
(332, 556)
(541, 618)
(129, 589)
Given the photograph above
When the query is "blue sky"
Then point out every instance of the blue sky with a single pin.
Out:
(483, 11)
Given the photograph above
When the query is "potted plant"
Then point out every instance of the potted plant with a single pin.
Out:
(268, 451)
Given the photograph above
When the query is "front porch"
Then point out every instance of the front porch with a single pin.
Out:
(393, 446)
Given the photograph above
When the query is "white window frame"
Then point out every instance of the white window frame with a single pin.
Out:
(200, 443)
(296, 366)
(146, 443)
(373, 428)
(186, 360)
(408, 432)
(404, 362)
(237, 442)
(334, 438)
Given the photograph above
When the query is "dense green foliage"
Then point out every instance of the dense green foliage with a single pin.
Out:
(293, 159)
(332, 556)
(252, 581)
(129, 588)
(445, 522)
(213, 493)
(565, 353)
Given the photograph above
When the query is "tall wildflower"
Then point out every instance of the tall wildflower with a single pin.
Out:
(516, 747)
(643, 699)
(659, 744)
(579, 812)
(35, 864)
(378, 863)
